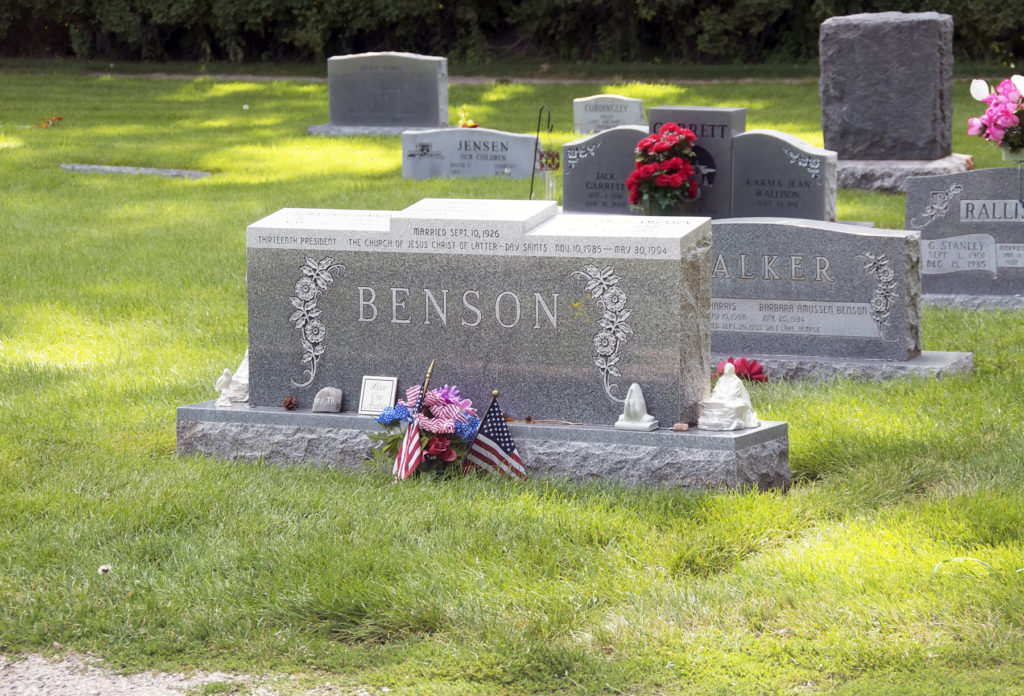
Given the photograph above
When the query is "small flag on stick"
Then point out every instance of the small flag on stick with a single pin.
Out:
(493, 449)
(410, 453)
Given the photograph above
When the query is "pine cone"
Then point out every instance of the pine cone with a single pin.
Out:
(289, 403)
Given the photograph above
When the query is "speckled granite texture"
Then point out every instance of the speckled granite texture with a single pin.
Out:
(928, 364)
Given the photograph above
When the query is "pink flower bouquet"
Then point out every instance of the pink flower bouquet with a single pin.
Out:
(1001, 122)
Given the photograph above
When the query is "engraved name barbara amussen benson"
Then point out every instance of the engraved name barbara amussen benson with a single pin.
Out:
(603, 286)
(316, 276)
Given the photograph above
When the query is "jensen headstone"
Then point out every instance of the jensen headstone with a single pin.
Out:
(467, 153)
(972, 231)
(604, 111)
(792, 287)
(595, 169)
(385, 93)
(715, 128)
(887, 85)
(560, 312)
(778, 174)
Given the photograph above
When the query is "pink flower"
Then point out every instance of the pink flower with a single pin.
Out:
(745, 369)
(975, 126)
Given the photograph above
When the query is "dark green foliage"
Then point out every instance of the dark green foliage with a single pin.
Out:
(477, 31)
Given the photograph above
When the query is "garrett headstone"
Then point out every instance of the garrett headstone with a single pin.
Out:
(595, 169)
(887, 85)
(793, 287)
(385, 93)
(467, 153)
(775, 173)
(604, 111)
(972, 231)
(581, 306)
(714, 128)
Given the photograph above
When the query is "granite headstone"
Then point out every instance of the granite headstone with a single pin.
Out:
(778, 174)
(467, 153)
(560, 312)
(715, 128)
(388, 89)
(604, 111)
(794, 287)
(887, 85)
(972, 231)
(595, 169)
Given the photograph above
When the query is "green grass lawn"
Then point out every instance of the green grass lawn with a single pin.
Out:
(895, 565)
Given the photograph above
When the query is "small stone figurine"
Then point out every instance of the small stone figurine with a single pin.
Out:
(634, 413)
(728, 407)
(234, 389)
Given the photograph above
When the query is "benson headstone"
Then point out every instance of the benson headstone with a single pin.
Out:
(581, 306)
(778, 174)
(467, 153)
(794, 287)
(595, 169)
(714, 128)
(972, 233)
(604, 111)
(385, 93)
(887, 85)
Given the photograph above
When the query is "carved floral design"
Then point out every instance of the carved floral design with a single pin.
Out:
(603, 286)
(574, 154)
(316, 276)
(937, 207)
(811, 164)
(884, 297)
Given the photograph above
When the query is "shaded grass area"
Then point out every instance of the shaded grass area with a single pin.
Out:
(124, 297)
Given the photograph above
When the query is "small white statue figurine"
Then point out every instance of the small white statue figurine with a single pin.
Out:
(728, 407)
(634, 413)
(234, 389)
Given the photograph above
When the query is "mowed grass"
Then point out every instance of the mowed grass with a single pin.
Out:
(895, 565)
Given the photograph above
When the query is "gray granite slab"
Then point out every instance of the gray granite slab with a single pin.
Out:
(972, 231)
(929, 364)
(109, 169)
(467, 152)
(715, 128)
(603, 111)
(775, 173)
(974, 301)
(388, 89)
(697, 459)
(595, 169)
(886, 85)
(891, 175)
(799, 287)
(560, 312)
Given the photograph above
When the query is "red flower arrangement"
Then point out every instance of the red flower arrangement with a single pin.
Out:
(664, 174)
(750, 370)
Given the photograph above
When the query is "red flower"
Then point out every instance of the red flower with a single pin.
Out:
(688, 135)
(745, 369)
(440, 447)
(693, 188)
(661, 146)
(676, 180)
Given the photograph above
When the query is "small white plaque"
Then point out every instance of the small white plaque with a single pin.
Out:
(968, 252)
(377, 394)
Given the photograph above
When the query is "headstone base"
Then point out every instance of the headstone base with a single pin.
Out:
(694, 459)
(929, 363)
(891, 175)
(975, 301)
(341, 131)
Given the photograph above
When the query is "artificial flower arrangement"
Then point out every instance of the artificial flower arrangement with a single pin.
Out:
(664, 175)
(750, 370)
(464, 120)
(447, 424)
(1001, 122)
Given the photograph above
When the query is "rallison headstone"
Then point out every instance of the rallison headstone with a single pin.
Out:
(801, 288)
(972, 232)
(604, 111)
(582, 306)
(778, 174)
(595, 169)
(467, 153)
(385, 93)
(715, 128)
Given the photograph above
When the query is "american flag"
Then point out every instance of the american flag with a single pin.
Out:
(410, 453)
(493, 449)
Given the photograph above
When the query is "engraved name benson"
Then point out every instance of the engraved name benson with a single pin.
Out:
(507, 308)
(766, 269)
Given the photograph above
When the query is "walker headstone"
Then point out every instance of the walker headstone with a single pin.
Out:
(972, 231)
(794, 287)
(582, 306)
(604, 111)
(714, 128)
(778, 174)
(595, 169)
(887, 85)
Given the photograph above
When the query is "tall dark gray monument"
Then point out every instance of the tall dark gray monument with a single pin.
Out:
(714, 128)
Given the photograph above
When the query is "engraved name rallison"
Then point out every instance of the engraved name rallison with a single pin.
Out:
(992, 211)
